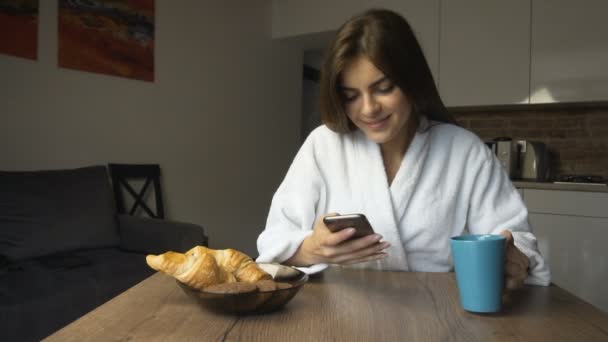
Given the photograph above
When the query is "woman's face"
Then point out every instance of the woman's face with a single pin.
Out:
(373, 103)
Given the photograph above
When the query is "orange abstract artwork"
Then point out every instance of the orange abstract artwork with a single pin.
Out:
(113, 37)
(19, 28)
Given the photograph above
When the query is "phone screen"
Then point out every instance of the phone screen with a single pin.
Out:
(357, 221)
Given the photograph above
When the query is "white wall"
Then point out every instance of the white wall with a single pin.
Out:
(222, 118)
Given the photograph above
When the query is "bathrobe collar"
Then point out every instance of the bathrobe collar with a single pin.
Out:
(386, 205)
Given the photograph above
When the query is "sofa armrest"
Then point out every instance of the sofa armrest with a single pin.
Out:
(154, 236)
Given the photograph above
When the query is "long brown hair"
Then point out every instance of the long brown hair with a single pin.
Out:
(388, 41)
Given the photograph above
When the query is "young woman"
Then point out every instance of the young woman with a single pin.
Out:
(389, 149)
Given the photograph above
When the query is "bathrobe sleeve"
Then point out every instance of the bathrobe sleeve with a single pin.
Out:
(495, 205)
(293, 210)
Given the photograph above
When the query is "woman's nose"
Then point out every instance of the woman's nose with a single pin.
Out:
(370, 105)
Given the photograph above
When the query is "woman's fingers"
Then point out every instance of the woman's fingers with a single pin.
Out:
(354, 249)
(514, 255)
(334, 239)
(513, 269)
(515, 274)
(514, 283)
(516, 264)
(523, 260)
(507, 234)
(359, 254)
(345, 246)
(375, 256)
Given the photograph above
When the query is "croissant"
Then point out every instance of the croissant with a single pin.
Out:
(239, 264)
(201, 267)
(196, 268)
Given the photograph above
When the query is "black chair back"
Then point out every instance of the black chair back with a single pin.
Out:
(150, 173)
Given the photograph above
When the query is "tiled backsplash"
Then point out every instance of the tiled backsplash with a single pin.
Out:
(577, 138)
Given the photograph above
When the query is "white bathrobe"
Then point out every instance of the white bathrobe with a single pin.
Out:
(449, 183)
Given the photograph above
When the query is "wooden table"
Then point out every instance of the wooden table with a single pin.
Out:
(345, 305)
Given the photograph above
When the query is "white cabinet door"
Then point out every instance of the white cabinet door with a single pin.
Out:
(484, 53)
(569, 51)
(575, 248)
(560, 202)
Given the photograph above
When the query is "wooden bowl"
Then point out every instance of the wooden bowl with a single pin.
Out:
(252, 302)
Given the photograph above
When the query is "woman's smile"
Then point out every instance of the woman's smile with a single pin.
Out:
(378, 125)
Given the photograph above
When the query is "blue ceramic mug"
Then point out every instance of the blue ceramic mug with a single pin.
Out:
(479, 262)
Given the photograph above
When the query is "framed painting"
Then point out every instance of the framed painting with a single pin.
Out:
(19, 28)
(112, 37)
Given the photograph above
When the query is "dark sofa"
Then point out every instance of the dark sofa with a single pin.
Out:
(65, 251)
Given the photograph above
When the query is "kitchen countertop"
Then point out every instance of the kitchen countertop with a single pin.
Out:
(564, 187)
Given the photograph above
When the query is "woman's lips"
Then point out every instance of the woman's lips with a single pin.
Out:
(378, 124)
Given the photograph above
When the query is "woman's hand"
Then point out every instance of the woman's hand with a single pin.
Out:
(323, 246)
(516, 264)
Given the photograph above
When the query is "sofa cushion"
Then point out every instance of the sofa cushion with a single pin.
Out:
(46, 212)
(40, 296)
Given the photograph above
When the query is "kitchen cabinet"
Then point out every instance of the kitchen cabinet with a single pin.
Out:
(573, 203)
(569, 56)
(307, 19)
(484, 52)
(572, 230)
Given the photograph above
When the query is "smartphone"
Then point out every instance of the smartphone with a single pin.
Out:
(357, 221)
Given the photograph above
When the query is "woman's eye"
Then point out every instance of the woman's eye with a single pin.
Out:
(386, 88)
(348, 97)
